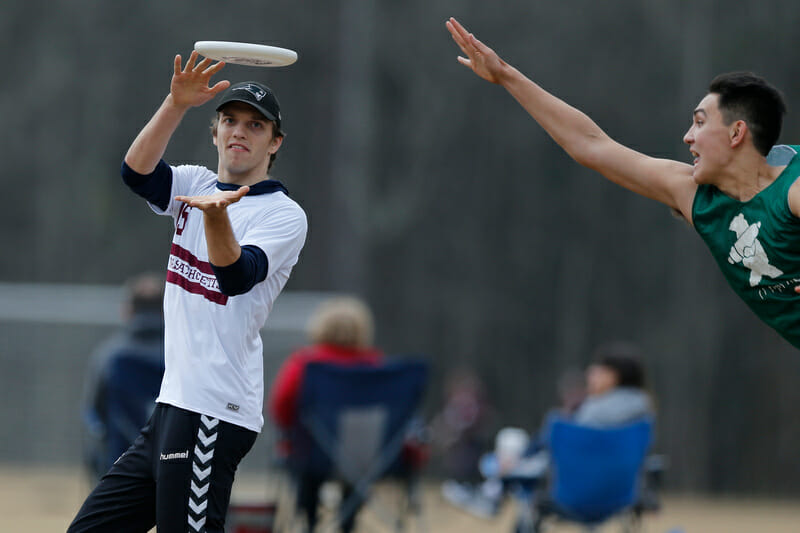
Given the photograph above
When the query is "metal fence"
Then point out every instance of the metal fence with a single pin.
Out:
(48, 332)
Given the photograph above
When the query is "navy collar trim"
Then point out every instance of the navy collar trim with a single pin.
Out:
(262, 187)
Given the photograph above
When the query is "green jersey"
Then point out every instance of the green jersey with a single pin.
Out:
(757, 244)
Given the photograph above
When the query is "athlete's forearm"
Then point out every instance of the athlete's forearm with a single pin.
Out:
(149, 146)
(223, 249)
(572, 129)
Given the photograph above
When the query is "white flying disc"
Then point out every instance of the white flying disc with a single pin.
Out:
(254, 55)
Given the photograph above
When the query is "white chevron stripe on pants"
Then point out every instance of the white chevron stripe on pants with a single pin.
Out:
(201, 473)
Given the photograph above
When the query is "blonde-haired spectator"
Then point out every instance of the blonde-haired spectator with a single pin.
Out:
(344, 321)
(341, 331)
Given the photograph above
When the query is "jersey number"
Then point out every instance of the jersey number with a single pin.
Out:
(180, 223)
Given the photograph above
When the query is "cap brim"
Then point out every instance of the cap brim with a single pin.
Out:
(258, 108)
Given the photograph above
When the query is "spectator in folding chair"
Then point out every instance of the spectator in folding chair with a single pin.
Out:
(464, 427)
(615, 396)
(341, 331)
(124, 375)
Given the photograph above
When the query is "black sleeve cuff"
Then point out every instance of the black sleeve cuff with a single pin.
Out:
(240, 276)
(155, 187)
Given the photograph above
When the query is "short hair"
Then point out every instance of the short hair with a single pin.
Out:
(276, 132)
(343, 321)
(624, 359)
(745, 96)
(145, 293)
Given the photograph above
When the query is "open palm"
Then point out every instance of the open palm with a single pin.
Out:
(190, 85)
(214, 202)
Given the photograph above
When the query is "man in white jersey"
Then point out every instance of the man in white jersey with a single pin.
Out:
(237, 237)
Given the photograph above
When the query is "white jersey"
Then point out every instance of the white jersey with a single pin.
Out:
(213, 349)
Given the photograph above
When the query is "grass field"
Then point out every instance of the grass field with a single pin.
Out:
(39, 500)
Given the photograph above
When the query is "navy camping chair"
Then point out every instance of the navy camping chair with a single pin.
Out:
(595, 474)
(353, 427)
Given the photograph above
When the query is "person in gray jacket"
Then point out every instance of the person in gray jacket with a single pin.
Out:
(615, 386)
(615, 395)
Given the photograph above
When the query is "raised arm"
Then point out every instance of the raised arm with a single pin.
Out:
(669, 182)
(189, 88)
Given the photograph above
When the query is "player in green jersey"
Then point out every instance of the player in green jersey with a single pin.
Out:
(741, 193)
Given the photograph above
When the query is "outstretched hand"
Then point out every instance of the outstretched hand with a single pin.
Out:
(214, 203)
(480, 58)
(190, 84)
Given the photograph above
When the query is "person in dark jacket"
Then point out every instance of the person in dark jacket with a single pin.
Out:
(141, 339)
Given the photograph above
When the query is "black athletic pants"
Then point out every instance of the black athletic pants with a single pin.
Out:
(177, 476)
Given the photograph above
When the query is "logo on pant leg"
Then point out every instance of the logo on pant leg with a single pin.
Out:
(175, 455)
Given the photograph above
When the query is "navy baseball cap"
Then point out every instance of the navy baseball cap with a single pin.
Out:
(257, 95)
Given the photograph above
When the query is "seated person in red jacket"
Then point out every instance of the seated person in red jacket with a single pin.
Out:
(341, 332)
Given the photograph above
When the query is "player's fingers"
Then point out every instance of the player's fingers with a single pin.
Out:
(190, 61)
(473, 43)
(479, 46)
(462, 45)
(457, 37)
(236, 195)
(202, 65)
(213, 69)
(177, 64)
(220, 86)
(465, 37)
(452, 29)
(191, 201)
(461, 30)
(464, 61)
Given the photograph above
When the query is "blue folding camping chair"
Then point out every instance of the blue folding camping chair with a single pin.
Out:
(354, 422)
(595, 474)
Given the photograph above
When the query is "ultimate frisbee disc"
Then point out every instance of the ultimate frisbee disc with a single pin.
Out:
(254, 55)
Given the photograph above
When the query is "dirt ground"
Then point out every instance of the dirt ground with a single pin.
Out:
(39, 501)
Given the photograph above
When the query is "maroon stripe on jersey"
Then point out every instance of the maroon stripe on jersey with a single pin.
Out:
(189, 257)
(193, 275)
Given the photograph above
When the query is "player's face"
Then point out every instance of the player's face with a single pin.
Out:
(709, 140)
(244, 142)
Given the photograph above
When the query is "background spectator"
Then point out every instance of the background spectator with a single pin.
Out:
(615, 395)
(341, 331)
(141, 338)
(462, 430)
